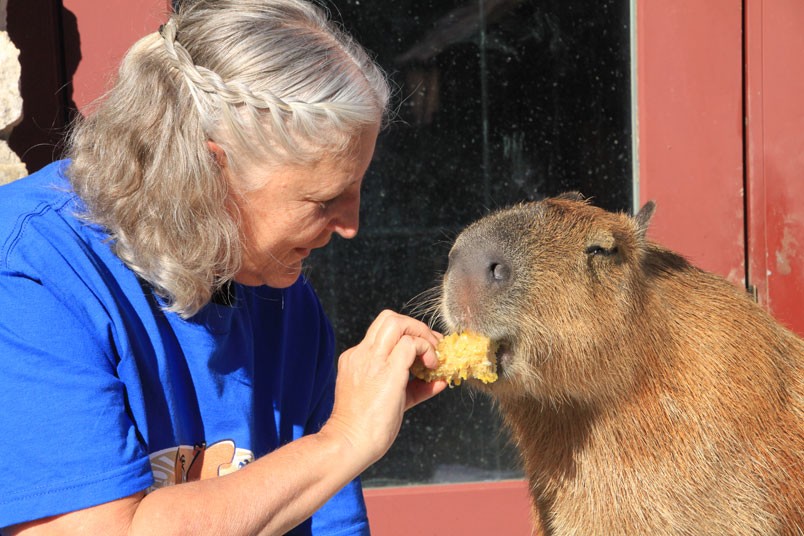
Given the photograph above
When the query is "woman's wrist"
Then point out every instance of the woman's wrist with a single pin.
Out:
(345, 446)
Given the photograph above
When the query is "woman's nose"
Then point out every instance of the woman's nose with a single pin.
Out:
(347, 219)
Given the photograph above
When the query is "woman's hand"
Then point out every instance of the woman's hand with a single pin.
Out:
(373, 388)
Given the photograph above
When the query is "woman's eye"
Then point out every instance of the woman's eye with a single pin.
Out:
(324, 204)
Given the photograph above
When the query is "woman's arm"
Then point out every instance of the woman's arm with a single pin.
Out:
(282, 489)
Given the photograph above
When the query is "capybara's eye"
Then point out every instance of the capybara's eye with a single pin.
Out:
(600, 250)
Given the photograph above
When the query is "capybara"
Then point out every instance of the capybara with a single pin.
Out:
(646, 396)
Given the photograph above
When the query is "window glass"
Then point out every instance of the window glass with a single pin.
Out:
(498, 101)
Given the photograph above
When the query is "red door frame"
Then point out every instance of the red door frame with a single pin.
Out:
(690, 123)
(774, 86)
(689, 158)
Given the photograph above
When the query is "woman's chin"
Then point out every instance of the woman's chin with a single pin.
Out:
(277, 277)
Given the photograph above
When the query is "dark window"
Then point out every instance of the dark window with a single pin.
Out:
(499, 101)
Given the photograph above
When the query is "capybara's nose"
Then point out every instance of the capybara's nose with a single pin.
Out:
(481, 268)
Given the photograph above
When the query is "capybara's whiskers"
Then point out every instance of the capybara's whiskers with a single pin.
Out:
(426, 306)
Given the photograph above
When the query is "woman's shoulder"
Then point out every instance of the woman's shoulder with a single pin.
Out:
(47, 185)
(38, 196)
(39, 222)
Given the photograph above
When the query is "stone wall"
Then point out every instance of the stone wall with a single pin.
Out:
(11, 167)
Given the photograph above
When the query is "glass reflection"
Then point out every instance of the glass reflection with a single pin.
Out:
(498, 101)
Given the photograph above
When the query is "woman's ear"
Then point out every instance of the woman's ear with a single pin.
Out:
(218, 153)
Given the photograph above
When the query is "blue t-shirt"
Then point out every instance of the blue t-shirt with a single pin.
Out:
(104, 394)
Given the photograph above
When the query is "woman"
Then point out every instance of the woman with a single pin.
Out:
(155, 325)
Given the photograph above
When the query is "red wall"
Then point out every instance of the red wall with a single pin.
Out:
(721, 140)
(477, 509)
(107, 29)
(690, 124)
(774, 90)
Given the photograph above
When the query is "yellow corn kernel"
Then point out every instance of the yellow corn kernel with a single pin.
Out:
(461, 356)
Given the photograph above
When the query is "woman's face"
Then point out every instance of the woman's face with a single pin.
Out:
(297, 210)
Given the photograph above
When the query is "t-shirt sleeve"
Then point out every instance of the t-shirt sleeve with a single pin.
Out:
(66, 439)
(344, 514)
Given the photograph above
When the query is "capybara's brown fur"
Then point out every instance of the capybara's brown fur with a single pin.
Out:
(646, 396)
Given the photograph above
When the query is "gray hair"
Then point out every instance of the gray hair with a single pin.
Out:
(270, 81)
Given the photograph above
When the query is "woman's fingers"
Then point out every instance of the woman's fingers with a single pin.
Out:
(389, 327)
(408, 348)
(418, 391)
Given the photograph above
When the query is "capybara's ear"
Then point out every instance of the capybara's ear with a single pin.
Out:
(643, 218)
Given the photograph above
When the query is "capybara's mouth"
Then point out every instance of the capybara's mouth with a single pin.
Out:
(503, 355)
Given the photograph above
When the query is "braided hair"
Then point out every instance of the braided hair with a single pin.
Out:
(269, 81)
